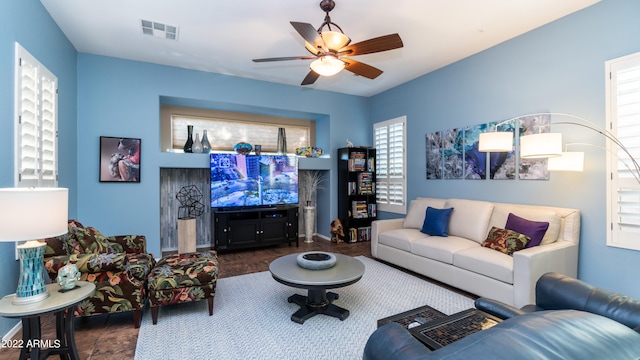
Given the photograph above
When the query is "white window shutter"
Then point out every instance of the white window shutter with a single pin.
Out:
(389, 141)
(623, 184)
(36, 129)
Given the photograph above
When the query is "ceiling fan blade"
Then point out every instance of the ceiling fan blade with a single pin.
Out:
(361, 69)
(382, 43)
(285, 58)
(311, 77)
(310, 35)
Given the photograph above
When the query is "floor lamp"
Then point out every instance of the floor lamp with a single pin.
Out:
(31, 214)
(549, 145)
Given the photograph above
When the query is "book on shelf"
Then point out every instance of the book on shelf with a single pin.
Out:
(359, 209)
(360, 234)
(372, 210)
(356, 164)
(371, 164)
(357, 161)
(352, 188)
(365, 183)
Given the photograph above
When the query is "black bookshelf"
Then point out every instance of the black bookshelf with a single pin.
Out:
(357, 206)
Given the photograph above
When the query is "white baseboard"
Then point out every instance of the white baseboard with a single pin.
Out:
(16, 329)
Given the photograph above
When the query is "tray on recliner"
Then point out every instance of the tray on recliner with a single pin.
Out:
(446, 330)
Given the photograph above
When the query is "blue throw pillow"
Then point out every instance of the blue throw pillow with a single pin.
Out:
(436, 221)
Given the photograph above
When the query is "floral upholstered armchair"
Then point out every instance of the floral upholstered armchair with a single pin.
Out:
(117, 265)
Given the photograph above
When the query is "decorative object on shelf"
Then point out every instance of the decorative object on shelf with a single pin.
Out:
(68, 277)
(349, 143)
(257, 149)
(31, 214)
(311, 181)
(206, 145)
(119, 159)
(337, 231)
(197, 145)
(188, 146)
(316, 260)
(242, 148)
(190, 202)
(281, 148)
(309, 151)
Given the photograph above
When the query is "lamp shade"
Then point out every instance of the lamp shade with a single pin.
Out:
(567, 161)
(541, 145)
(335, 40)
(32, 213)
(327, 65)
(499, 141)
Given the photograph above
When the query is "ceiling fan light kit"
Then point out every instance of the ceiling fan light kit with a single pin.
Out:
(327, 65)
(332, 51)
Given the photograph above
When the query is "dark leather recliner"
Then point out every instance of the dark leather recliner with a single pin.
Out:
(570, 320)
(559, 292)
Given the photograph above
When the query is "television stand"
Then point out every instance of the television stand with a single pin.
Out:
(254, 227)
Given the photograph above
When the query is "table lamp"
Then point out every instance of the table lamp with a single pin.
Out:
(32, 214)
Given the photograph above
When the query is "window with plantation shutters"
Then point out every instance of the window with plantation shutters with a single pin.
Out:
(225, 129)
(389, 141)
(623, 120)
(36, 122)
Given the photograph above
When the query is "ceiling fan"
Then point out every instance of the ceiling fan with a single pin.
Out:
(331, 51)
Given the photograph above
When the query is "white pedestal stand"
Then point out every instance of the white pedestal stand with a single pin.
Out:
(309, 222)
(186, 235)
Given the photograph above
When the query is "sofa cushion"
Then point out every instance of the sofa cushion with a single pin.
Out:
(87, 240)
(417, 209)
(470, 218)
(440, 248)
(487, 262)
(505, 241)
(535, 230)
(436, 221)
(400, 239)
(502, 211)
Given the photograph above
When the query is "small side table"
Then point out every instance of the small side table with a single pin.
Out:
(62, 305)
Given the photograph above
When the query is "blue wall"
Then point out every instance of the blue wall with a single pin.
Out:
(556, 68)
(121, 98)
(28, 23)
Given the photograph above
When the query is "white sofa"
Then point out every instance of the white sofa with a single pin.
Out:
(459, 260)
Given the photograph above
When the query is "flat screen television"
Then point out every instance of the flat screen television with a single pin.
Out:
(240, 181)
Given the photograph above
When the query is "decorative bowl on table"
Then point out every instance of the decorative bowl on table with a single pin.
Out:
(309, 151)
(242, 148)
(316, 260)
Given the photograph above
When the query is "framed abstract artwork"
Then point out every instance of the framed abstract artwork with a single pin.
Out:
(475, 162)
(119, 159)
(434, 155)
(502, 165)
(534, 169)
(452, 153)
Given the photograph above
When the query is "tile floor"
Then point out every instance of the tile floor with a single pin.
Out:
(113, 337)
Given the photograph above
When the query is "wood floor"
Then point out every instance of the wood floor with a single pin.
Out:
(113, 336)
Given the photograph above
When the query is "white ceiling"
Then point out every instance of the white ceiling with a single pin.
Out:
(224, 36)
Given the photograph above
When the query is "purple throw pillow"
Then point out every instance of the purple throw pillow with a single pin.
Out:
(533, 229)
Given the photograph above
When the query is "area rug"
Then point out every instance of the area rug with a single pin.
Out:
(251, 318)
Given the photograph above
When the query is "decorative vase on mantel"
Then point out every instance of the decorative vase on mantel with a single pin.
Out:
(197, 145)
(206, 145)
(188, 146)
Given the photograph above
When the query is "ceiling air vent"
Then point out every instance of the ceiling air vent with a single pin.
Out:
(159, 29)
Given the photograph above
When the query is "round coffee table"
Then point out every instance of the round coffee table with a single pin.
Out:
(346, 271)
